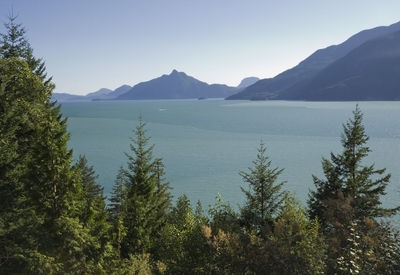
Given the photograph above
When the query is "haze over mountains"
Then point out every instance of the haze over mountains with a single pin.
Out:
(369, 72)
(339, 72)
(176, 85)
(102, 94)
(364, 67)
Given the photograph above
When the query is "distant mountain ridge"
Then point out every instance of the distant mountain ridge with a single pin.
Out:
(102, 94)
(364, 67)
(273, 88)
(369, 72)
(248, 81)
(177, 85)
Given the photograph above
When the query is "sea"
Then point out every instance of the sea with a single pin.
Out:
(206, 143)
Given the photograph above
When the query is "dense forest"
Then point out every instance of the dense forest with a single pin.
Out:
(54, 218)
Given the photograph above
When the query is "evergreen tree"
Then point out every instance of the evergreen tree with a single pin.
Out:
(42, 197)
(146, 197)
(264, 196)
(182, 246)
(350, 195)
(92, 191)
(223, 217)
(94, 215)
(13, 43)
(347, 173)
(21, 108)
(117, 210)
(296, 245)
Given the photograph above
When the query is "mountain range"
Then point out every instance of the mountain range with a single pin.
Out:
(176, 85)
(364, 67)
(102, 94)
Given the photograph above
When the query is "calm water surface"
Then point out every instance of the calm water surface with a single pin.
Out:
(206, 143)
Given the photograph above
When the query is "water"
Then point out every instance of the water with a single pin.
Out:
(206, 143)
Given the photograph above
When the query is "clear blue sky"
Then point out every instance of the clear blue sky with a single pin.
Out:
(90, 44)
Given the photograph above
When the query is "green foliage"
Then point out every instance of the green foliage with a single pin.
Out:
(140, 198)
(13, 43)
(348, 201)
(53, 217)
(182, 246)
(134, 265)
(94, 216)
(223, 217)
(117, 211)
(22, 115)
(296, 245)
(346, 173)
(45, 222)
(264, 197)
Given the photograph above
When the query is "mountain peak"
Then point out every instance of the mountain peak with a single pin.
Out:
(248, 81)
(176, 85)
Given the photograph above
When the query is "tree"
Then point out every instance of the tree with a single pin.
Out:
(13, 43)
(42, 197)
(296, 245)
(349, 198)
(264, 195)
(145, 196)
(22, 114)
(223, 217)
(182, 246)
(94, 215)
(117, 210)
(346, 173)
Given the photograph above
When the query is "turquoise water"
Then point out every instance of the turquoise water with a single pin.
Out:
(206, 143)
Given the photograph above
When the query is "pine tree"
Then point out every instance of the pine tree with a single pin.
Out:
(296, 245)
(92, 191)
(21, 108)
(182, 246)
(117, 210)
(13, 43)
(347, 173)
(264, 196)
(41, 224)
(350, 194)
(94, 215)
(146, 198)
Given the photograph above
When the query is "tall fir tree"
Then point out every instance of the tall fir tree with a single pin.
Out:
(145, 197)
(42, 196)
(94, 215)
(264, 197)
(13, 43)
(350, 195)
(117, 210)
(347, 173)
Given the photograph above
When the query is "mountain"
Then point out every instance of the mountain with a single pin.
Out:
(102, 94)
(108, 95)
(64, 97)
(270, 88)
(248, 81)
(176, 85)
(369, 72)
(121, 90)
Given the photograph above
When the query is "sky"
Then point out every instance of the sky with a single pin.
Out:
(93, 44)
